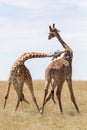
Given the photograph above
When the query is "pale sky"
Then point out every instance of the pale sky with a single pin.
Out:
(24, 28)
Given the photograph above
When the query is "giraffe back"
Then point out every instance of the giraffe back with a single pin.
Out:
(58, 69)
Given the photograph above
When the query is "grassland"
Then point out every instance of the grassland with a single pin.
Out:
(30, 119)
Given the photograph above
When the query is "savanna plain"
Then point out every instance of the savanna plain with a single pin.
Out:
(30, 119)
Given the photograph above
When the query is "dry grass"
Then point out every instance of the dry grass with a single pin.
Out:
(29, 119)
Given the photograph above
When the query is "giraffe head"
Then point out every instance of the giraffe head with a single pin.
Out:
(53, 31)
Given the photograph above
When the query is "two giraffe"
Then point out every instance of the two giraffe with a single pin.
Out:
(59, 70)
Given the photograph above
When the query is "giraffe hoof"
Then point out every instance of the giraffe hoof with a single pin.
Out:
(61, 112)
(78, 111)
(41, 111)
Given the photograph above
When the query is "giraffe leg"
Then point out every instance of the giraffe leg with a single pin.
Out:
(9, 84)
(58, 94)
(51, 95)
(52, 91)
(18, 86)
(45, 95)
(30, 86)
(24, 99)
(18, 102)
(48, 98)
(21, 98)
(69, 82)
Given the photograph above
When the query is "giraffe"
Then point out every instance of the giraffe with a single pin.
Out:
(60, 71)
(20, 74)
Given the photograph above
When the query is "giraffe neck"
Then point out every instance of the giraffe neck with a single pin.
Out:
(30, 55)
(69, 54)
(62, 42)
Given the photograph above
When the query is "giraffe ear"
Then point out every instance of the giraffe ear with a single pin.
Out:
(50, 28)
(53, 25)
